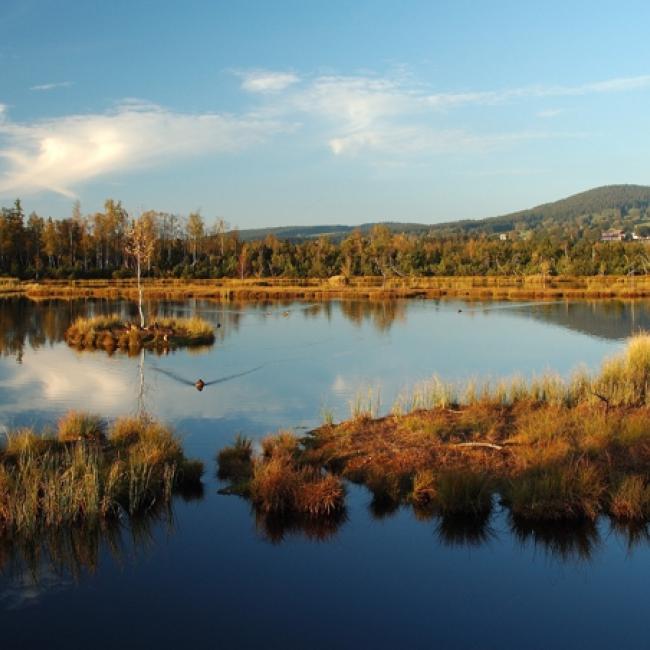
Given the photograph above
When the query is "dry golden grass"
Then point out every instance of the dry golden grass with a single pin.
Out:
(76, 425)
(193, 328)
(630, 498)
(80, 476)
(546, 460)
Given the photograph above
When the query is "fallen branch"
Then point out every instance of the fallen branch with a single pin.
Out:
(484, 445)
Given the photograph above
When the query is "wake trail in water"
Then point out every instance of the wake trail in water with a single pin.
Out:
(220, 380)
(523, 305)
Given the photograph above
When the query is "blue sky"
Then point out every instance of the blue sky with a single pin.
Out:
(275, 113)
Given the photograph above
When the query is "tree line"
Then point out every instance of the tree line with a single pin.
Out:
(100, 245)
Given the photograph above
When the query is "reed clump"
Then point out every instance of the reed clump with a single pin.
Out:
(280, 481)
(85, 472)
(112, 332)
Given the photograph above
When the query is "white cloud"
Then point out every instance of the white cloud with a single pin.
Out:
(357, 101)
(262, 81)
(58, 154)
(52, 86)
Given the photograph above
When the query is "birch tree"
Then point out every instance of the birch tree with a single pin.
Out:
(141, 244)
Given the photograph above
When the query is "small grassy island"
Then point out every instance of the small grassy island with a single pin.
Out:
(288, 491)
(547, 449)
(86, 473)
(111, 333)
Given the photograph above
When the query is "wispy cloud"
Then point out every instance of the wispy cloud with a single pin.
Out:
(58, 154)
(421, 139)
(395, 116)
(616, 85)
(385, 118)
(52, 86)
(388, 116)
(264, 81)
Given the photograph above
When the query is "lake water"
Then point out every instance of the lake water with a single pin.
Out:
(212, 574)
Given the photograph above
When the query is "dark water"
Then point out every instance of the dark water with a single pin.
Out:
(210, 573)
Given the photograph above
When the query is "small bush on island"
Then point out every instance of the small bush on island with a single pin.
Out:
(82, 474)
(111, 332)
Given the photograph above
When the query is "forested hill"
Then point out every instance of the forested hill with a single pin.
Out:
(624, 206)
(610, 206)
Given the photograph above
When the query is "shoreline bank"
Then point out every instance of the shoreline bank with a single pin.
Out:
(366, 288)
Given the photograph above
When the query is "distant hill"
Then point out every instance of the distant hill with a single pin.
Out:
(298, 233)
(620, 206)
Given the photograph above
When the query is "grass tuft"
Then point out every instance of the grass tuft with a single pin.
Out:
(80, 476)
(76, 425)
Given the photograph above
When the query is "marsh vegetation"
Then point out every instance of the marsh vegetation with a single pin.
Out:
(548, 449)
(84, 473)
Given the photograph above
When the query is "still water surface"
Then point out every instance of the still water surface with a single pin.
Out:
(212, 574)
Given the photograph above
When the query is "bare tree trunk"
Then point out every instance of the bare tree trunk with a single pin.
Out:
(140, 292)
